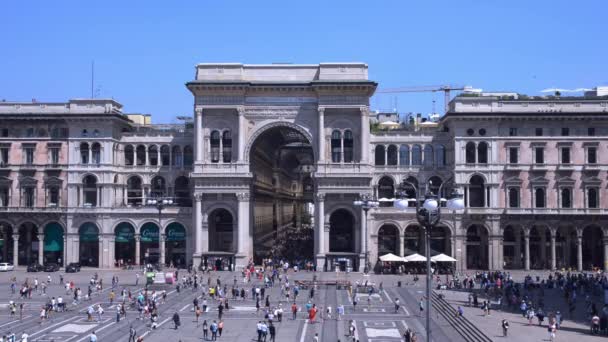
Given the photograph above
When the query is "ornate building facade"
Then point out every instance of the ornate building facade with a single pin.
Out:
(275, 157)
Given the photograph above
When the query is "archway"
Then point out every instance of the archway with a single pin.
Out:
(342, 231)
(28, 244)
(413, 240)
(124, 244)
(53, 244)
(476, 192)
(149, 250)
(6, 242)
(593, 248)
(175, 245)
(477, 247)
(513, 247)
(388, 240)
(440, 241)
(88, 234)
(386, 189)
(537, 247)
(281, 157)
(221, 231)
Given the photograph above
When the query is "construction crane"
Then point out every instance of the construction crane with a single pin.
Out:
(424, 89)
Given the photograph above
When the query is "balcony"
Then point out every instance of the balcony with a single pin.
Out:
(516, 167)
(48, 209)
(540, 167)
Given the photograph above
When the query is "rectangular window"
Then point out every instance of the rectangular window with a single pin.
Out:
(29, 132)
(591, 155)
(3, 197)
(539, 132)
(29, 155)
(565, 152)
(54, 197)
(539, 155)
(4, 133)
(592, 198)
(590, 131)
(565, 131)
(513, 198)
(54, 156)
(28, 197)
(513, 131)
(513, 155)
(3, 156)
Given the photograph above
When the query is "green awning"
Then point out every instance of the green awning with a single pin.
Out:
(125, 232)
(88, 232)
(149, 233)
(53, 238)
(176, 232)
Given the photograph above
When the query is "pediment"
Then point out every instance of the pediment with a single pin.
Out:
(53, 181)
(28, 181)
(513, 180)
(5, 181)
(592, 180)
(539, 180)
(566, 180)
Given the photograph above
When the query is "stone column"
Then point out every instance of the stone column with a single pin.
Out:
(553, 254)
(147, 162)
(579, 250)
(605, 253)
(41, 249)
(162, 239)
(15, 249)
(402, 245)
(527, 250)
(137, 238)
(321, 136)
(198, 225)
(243, 244)
(242, 129)
(64, 251)
(364, 134)
(160, 162)
(320, 231)
(198, 134)
(386, 154)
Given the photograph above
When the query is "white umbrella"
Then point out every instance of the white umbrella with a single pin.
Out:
(388, 123)
(442, 258)
(415, 257)
(390, 257)
(384, 199)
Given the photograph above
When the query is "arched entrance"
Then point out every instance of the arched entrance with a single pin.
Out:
(440, 241)
(386, 189)
(281, 157)
(413, 240)
(513, 247)
(342, 250)
(175, 245)
(28, 244)
(593, 248)
(477, 247)
(221, 231)
(6, 242)
(537, 248)
(149, 250)
(88, 234)
(53, 244)
(388, 240)
(124, 248)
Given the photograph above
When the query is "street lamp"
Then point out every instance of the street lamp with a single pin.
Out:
(428, 216)
(160, 202)
(366, 204)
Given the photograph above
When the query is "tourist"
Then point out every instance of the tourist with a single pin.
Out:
(176, 320)
(220, 327)
(205, 330)
(93, 337)
(213, 329)
(505, 327)
(272, 330)
(132, 334)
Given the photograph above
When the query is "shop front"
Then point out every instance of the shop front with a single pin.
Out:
(175, 245)
(149, 250)
(124, 249)
(89, 245)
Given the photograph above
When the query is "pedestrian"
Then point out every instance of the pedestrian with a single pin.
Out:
(197, 313)
(294, 311)
(505, 327)
(272, 330)
(351, 329)
(132, 334)
(99, 312)
(220, 311)
(421, 306)
(93, 337)
(460, 311)
(259, 331)
(220, 327)
(396, 305)
(213, 329)
(176, 320)
(328, 312)
(136, 279)
(407, 336)
(118, 312)
(316, 338)
(551, 330)
(205, 330)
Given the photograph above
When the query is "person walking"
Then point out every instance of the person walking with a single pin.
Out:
(294, 311)
(205, 330)
(316, 338)
(213, 329)
(93, 337)
(551, 330)
(505, 327)
(272, 330)
(197, 313)
(397, 305)
(259, 330)
(421, 306)
(118, 312)
(220, 311)
(220, 327)
(176, 320)
(132, 334)
(99, 312)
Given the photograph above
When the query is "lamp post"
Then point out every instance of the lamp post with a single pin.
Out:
(160, 202)
(428, 216)
(366, 204)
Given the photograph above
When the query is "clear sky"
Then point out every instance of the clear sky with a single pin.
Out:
(145, 51)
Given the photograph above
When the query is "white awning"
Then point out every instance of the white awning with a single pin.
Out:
(391, 257)
(442, 258)
(415, 257)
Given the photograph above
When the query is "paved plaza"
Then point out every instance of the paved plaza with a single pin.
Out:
(374, 316)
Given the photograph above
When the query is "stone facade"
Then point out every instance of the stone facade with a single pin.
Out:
(278, 153)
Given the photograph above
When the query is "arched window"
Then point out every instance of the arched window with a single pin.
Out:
(84, 153)
(392, 155)
(440, 155)
(470, 153)
(539, 198)
(476, 192)
(409, 191)
(386, 189)
(129, 155)
(566, 197)
(153, 155)
(404, 155)
(388, 237)
(182, 192)
(176, 156)
(227, 147)
(188, 155)
(482, 152)
(158, 187)
(165, 155)
(428, 155)
(379, 155)
(348, 146)
(214, 143)
(134, 191)
(416, 155)
(592, 198)
(89, 189)
(96, 153)
(434, 184)
(341, 232)
(336, 146)
(513, 198)
(140, 155)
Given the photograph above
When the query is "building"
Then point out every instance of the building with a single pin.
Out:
(273, 161)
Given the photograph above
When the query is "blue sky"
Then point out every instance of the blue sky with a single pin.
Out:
(145, 51)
